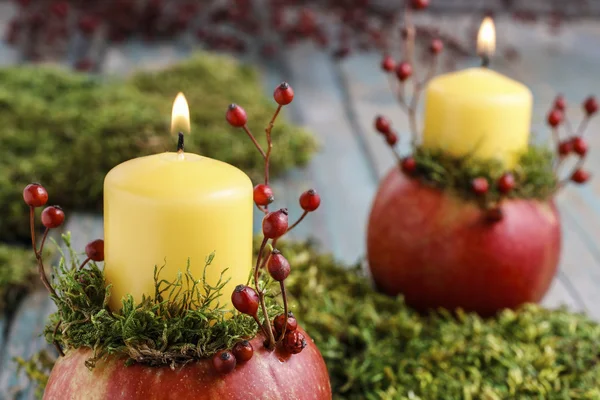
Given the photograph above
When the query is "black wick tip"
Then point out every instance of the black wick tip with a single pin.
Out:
(485, 60)
(180, 142)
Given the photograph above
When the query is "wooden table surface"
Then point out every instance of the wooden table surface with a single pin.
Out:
(338, 101)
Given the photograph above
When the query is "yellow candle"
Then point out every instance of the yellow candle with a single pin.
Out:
(167, 208)
(478, 112)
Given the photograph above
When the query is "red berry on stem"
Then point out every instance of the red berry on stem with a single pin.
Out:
(580, 176)
(283, 94)
(590, 105)
(506, 183)
(579, 145)
(419, 4)
(279, 321)
(391, 138)
(243, 351)
(236, 116)
(382, 124)
(310, 200)
(35, 195)
(480, 185)
(388, 63)
(555, 117)
(278, 266)
(263, 195)
(275, 224)
(245, 299)
(409, 165)
(560, 103)
(294, 342)
(565, 148)
(95, 250)
(404, 71)
(224, 362)
(436, 46)
(53, 217)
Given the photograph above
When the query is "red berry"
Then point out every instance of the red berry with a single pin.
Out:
(404, 71)
(580, 145)
(480, 185)
(494, 214)
(436, 46)
(409, 165)
(310, 200)
(294, 342)
(95, 250)
(53, 217)
(506, 183)
(283, 94)
(382, 124)
(565, 148)
(388, 63)
(88, 24)
(263, 195)
(580, 176)
(60, 9)
(278, 266)
(245, 299)
(243, 351)
(560, 103)
(35, 195)
(224, 362)
(391, 138)
(279, 322)
(590, 105)
(236, 116)
(419, 4)
(555, 117)
(275, 224)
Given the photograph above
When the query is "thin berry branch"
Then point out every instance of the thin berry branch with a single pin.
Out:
(270, 143)
(38, 255)
(83, 264)
(264, 210)
(43, 241)
(261, 295)
(285, 309)
(251, 136)
(568, 125)
(582, 126)
(575, 168)
(295, 224)
(56, 344)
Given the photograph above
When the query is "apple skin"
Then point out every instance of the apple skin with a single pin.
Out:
(439, 251)
(267, 375)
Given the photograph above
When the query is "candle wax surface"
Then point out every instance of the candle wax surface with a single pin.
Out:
(478, 112)
(164, 209)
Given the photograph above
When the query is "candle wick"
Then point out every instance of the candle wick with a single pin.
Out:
(180, 143)
(485, 60)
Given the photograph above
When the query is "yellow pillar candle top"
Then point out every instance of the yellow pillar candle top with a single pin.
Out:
(167, 208)
(478, 112)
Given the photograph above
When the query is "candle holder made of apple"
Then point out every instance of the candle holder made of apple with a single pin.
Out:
(456, 232)
(180, 343)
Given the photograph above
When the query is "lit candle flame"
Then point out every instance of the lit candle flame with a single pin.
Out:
(180, 117)
(486, 38)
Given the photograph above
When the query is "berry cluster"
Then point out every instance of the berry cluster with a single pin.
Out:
(574, 144)
(42, 29)
(246, 299)
(35, 195)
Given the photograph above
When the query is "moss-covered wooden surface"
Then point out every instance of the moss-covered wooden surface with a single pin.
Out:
(338, 103)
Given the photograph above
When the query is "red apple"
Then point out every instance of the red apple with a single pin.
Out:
(440, 251)
(267, 375)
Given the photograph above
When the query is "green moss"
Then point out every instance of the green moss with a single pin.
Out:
(374, 345)
(534, 175)
(182, 322)
(67, 130)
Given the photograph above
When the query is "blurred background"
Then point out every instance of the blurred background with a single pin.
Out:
(85, 85)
